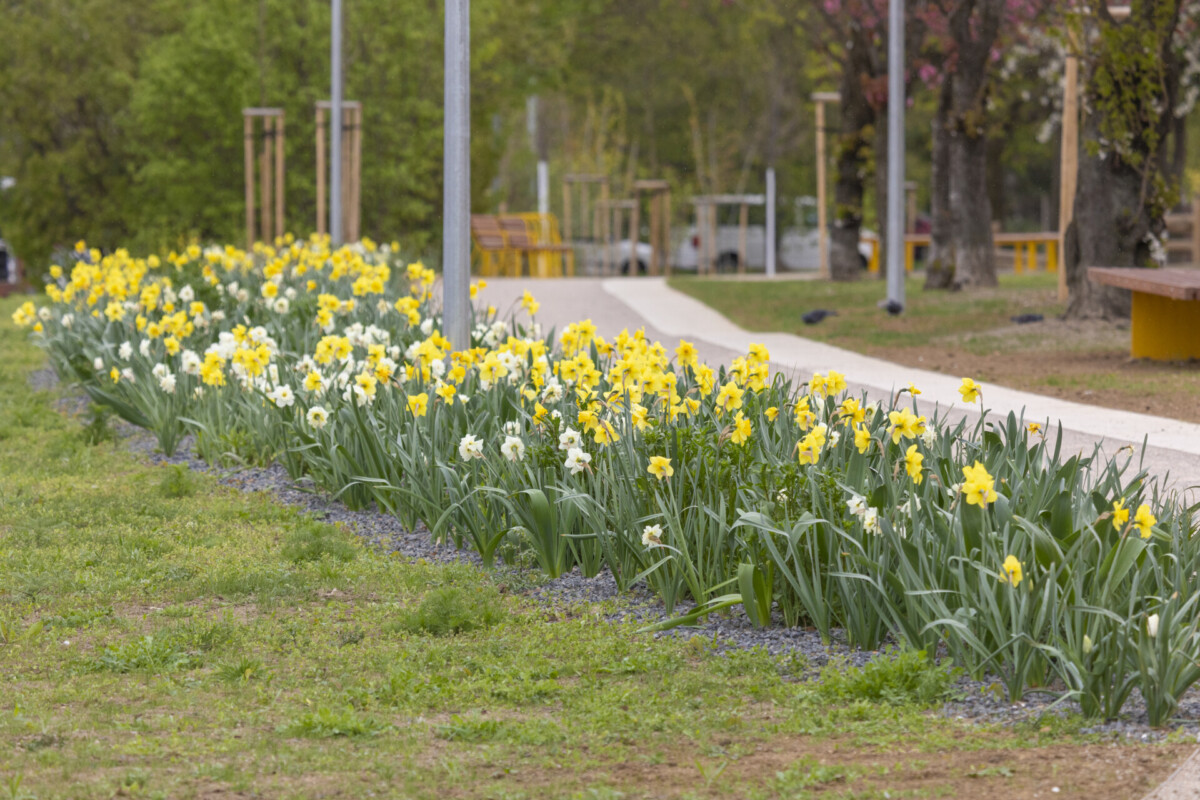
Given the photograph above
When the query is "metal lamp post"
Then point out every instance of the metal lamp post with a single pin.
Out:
(895, 176)
(456, 170)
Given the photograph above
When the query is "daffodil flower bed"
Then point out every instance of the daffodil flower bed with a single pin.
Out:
(716, 486)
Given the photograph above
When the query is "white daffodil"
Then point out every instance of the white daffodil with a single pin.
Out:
(577, 460)
(652, 536)
(470, 447)
(513, 448)
(569, 439)
(317, 417)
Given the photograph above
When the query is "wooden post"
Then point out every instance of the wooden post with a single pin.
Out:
(667, 232)
(743, 223)
(634, 224)
(714, 248)
(322, 221)
(1070, 160)
(358, 138)
(1031, 255)
(1052, 255)
(605, 226)
(1196, 228)
(654, 238)
(265, 216)
(248, 128)
(910, 224)
(566, 212)
(345, 187)
(280, 224)
(822, 222)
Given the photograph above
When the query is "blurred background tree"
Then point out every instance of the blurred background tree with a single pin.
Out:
(120, 119)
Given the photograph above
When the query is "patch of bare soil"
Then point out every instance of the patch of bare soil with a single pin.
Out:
(1082, 362)
(822, 767)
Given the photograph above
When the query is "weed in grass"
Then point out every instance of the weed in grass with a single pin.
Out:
(203, 636)
(327, 724)
(79, 619)
(907, 678)
(469, 729)
(98, 428)
(243, 670)
(312, 541)
(43, 741)
(350, 636)
(147, 654)
(177, 481)
(12, 631)
(178, 611)
(452, 609)
(263, 585)
(807, 774)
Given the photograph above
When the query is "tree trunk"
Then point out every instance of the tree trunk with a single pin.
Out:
(852, 146)
(1109, 230)
(1119, 201)
(939, 264)
(971, 211)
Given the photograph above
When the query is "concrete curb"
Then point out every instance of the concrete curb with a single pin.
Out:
(1182, 784)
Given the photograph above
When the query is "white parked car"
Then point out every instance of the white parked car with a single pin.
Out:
(798, 250)
(589, 257)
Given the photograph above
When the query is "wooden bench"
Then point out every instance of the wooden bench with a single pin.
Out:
(1166, 309)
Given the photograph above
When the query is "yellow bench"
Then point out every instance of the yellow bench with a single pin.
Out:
(1166, 309)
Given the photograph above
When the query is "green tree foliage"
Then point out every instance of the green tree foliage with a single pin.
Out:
(121, 121)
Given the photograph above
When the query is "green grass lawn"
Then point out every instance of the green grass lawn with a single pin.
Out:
(860, 325)
(969, 333)
(164, 636)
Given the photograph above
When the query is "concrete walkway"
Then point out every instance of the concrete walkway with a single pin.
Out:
(1173, 447)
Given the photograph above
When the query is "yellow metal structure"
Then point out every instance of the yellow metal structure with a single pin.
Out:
(1165, 329)
(1025, 250)
(498, 250)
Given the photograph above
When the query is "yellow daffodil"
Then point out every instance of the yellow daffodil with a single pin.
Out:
(1120, 514)
(741, 431)
(978, 485)
(905, 424)
(730, 397)
(912, 464)
(969, 390)
(1143, 520)
(686, 354)
(418, 404)
(660, 467)
(862, 438)
(771, 413)
(803, 414)
(1012, 571)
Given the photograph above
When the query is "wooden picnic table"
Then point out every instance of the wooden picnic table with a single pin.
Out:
(1165, 322)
